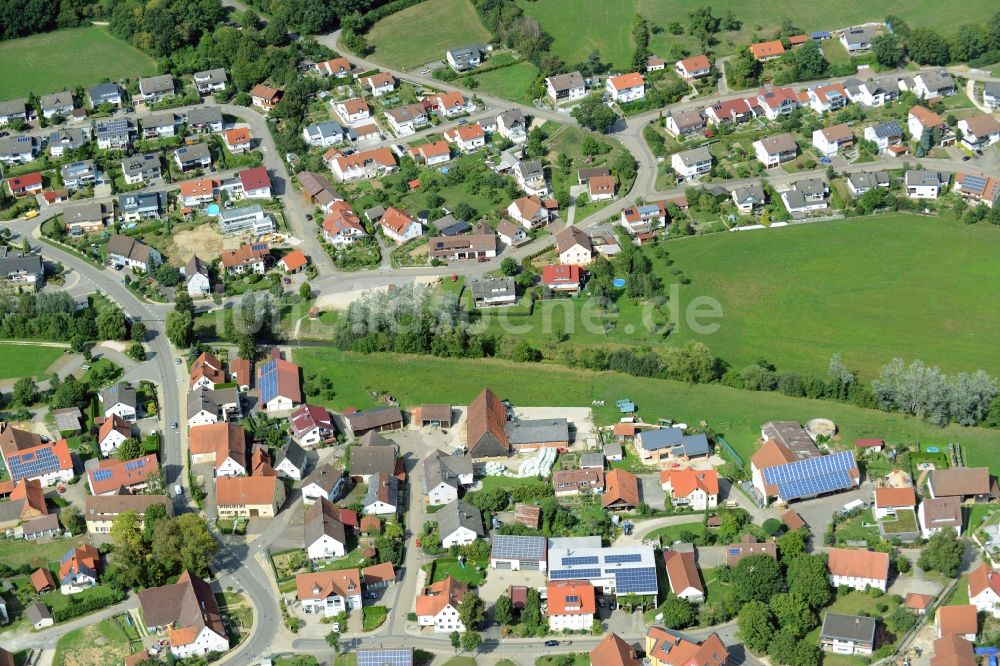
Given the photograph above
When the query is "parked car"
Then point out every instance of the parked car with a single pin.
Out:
(551, 643)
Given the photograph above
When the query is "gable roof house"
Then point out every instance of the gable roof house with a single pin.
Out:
(188, 613)
(208, 406)
(196, 156)
(265, 97)
(444, 475)
(291, 460)
(748, 198)
(626, 87)
(858, 569)
(278, 381)
(248, 496)
(119, 399)
(204, 119)
(614, 651)
(467, 138)
(733, 111)
(78, 569)
(100, 511)
(18, 149)
(568, 482)
(960, 620)
(364, 164)
(777, 101)
(114, 134)
(858, 38)
(562, 278)
(984, 589)
(805, 196)
(925, 184)
(57, 104)
(210, 81)
(747, 546)
(324, 134)
(860, 182)
(311, 424)
(773, 150)
(683, 124)
(694, 67)
(645, 218)
(530, 177)
(12, 110)
(689, 164)
(886, 135)
(379, 84)
(459, 523)
(326, 482)
(152, 89)
(528, 212)
(938, 514)
(136, 206)
(696, 488)
(571, 605)
(621, 491)
(666, 445)
(574, 246)
(465, 57)
(451, 104)
(848, 634)
(325, 537)
(979, 131)
(87, 216)
(248, 258)
(407, 119)
(25, 502)
(141, 168)
(367, 462)
(342, 227)
(921, 119)
(69, 139)
(338, 67)
(682, 573)
(329, 592)
(29, 183)
(27, 270)
(382, 498)
(485, 421)
(830, 140)
(111, 475)
(565, 87)
(667, 647)
(238, 140)
(512, 125)
(437, 605)
(376, 419)
(925, 85)
(764, 51)
(207, 371)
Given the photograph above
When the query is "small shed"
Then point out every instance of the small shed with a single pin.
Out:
(435, 416)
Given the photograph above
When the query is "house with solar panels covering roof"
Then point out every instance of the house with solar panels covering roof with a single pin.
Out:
(617, 571)
(797, 470)
(278, 381)
(518, 552)
(26, 456)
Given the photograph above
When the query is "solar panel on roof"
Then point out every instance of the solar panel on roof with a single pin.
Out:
(571, 561)
(621, 559)
(573, 599)
(812, 476)
(573, 574)
(32, 463)
(102, 475)
(135, 464)
(637, 581)
(259, 247)
(507, 547)
(400, 657)
(974, 183)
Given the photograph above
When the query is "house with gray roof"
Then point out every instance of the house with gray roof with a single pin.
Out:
(493, 291)
(326, 481)
(69, 139)
(445, 475)
(885, 134)
(135, 206)
(367, 462)
(119, 400)
(210, 81)
(459, 524)
(291, 461)
(104, 93)
(193, 157)
(382, 497)
(325, 536)
(57, 104)
(936, 83)
(76, 175)
(806, 195)
(858, 38)
(661, 444)
(748, 198)
(565, 87)
(207, 406)
(114, 134)
(925, 184)
(204, 119)
(991, 96)
(13, 110)
(197, 277)
(862, 181)
(153, 89)
(689, 164)
(465, 57)
(131, 252)
(848, 634)
(18, 149)
(85, 217)
(21, 269)
(323, 134)
(141, 168)
(528, 434)
(159, 125)
(38, 615)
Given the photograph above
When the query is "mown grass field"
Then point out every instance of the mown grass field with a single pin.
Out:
(607, 25)
(871, 289)
(101, 644)
(734, 413)
(65, 59)
(26, 360)
(422, 33)
(509, 82)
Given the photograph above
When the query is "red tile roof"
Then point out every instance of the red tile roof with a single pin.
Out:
(873, 442)
(560, 275)
(859, 564)
(767, 49)
(695, 63)
(682, 571)
(237, 136)
(626, 81)
(981, 578)
(613, 651)
(438, 595)
(685, 481)
(245, 490)
(42, 578)
(957, 620)
(254, 179)
(571, 597)
(199, 187)
(295, 260)
(620, 486)
(118, 473)
(396, 219)
(82, 556)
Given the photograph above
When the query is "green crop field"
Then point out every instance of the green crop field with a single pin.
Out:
(736, 414)
(65, 59)
(607, 25)
(871, 289)
(26, 360)
(422, 33)
(509, 82)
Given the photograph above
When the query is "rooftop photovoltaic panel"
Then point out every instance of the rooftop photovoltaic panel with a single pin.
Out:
(621, 559)
(400, 657)
(135, 464)
(637, 581)
(574, 574)
(102, 475)
(507, 547)
(268, 381)
(590, 559)
(974, 183)
(812, 476)
(32, 463)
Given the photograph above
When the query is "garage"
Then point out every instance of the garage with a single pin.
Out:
(502, 564)
(518, 552)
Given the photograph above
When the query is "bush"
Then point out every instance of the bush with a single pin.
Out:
(84, 605)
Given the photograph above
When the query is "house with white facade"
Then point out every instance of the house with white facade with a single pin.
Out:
(925, 184)
(325, 536)
(437, 606)
(571, 605)
(445, 475)
(626, 87)
(512, 125)
(694, 488)
(773, 150)
(830, 140)
(186, 615)
(690, 164)
(984, 590)
(858, 569)
(399, 225)
(565, 87)
(329, 593)
(459, 524)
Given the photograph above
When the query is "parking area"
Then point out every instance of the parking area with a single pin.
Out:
(651, 492)
(499, 580)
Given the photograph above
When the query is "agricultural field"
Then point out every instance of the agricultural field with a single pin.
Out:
(433, 27)
(734, 413)
(26, 360)
(871, 289)
(608, 25)
(69, 58)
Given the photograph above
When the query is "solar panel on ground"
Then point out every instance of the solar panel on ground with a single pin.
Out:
(573, 574)
(637, 581)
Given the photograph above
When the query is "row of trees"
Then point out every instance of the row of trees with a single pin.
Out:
(929, 393)
(53, 316)
(19, 18)
(970, 43)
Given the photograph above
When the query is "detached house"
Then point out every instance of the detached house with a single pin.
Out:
(399, 225)
(210, 81)
(325, 537)
(773, 150)
(530, 176)
(379, 84)
(85, 218)
(141, 168)
(977, 188)
(666, 647)
(238, 140)
(732, 111)
(465, 57)
(777, 101)
(979, 132)
(114, 134)
(12, 111)
(685, 123)
(848, 634)
(858, 39)
(265, 97)
(682, 573)
(764, 51)
(571, 605)
(291, 461)
(858, 569)
(644, 218)
(118, 399)
(451, 104)
(830, 140)
(459, 524)
(437, 606)
(966, 483)
(153, 89)
(887, 135)
(136, 206)
(365, 164)
(872, 92)
(57, 104)
(925, 184)
(806, 195)
(444, 475)
(407, 119)
(342, 226)
(382, 498)
(939, 514)
(749, 198)
(324, 134)
(512, 125)
(77, 175)
(246, 259)
(338, 67)
(329, 592)
(78, 569)
(18, 149)
(254, 184)
(468, 138)
(193, 157)
(325, 482)
(278, 381)
(991, 96)
(574, 247)
(65, 140)
(188, 614)
(984, 589)
(352, 111)
(694, 67)
(28, 184)
(626, 88)
(431, 153)
(860, 182)
(565, 87)
(528, 212)
(930, 84)
(248, 496)
(311, 424)
(690, 164)
(921, 119)
(695, 488)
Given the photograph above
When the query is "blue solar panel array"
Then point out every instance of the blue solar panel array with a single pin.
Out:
(812, 476)
(268, 381)
(571, 561)
(135, 464)
(401, 657)
(31, 464)
(974, 183)
(638, 581)
(575, 574)
(622, 559)
(102, 475)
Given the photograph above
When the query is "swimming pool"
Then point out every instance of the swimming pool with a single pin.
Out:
(213, 209)
(618, 282)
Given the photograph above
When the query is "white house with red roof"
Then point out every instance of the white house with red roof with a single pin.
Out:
(352, 111)
(255, 183)
(562, 278)
(365, 164)
(311, 424)
(984, 590)
(111, 475)
(858, 569)
(528, 212)
(733, 111)
(467, 138)
(571, 605)
(399, 225)
(694, 67)
(338, 67)
(694, 488)
(431, 153)
(112, 433)
(778, 101)
(29, 183)
(278, 381)
(644, 218)
(626, 88)
(379, 84)
(828, 98)
(450, 104)
(342, 226)
(890, 500)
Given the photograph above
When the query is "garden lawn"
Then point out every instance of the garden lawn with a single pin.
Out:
(509, 82)
(26, 360)
(450, 567)
(101, 644)
(733, 413)
(868, 288)
(15, 552)
(672, 533)
(579, 659)
(374, 616)
(66, 59)
(434, 26)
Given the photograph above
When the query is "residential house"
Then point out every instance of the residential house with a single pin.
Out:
(493, 291)
(292, 461)
(20, 269)
(251, 220)
(188, 613)
(749, 198)
(459, 524)
(329, 592)
(683, 124)
(318, 190)
(747, 546)
(465, 57)
(601, 188)
(445, 475)
(376, 419)
(399, 225)
(111, 475)
(984, 589)
(278, 380)
(858, 38)
(848, 634)
(569, 482)
(938, 514)
(872, 92)
(382, 498)
(210, 81)
(325, 482)
(451, 104)
(221, 444)
(694, 67)
(248, 496)
(805, 196)
(78, 569)
(12, 111)
(437, 606)
(114, 134)
(529, 212)
(84, 218)
(25, 502)
(571, 605)
(265, 97)
(887, 135)
(830, 140)
(614, 651)
(42, 580)
(372, 461)
(207, 406)
(657, 446)
(57, 104)
(136, 206)
(694, 488)
(858, 569)
(966, 483)
(294, 262)
(324, 134)
(953, 650)
(28, 184)
(193, 157)
(153, 89)
(626, 87)
(160, 125)
(574, 247)
(352, 111)
(198, 192)
(667, 647)
(927, 85)
(100, 511)
(77, 175)
(690, 164)
(960, 620)
(407, 119)
(206, 372)
(918, 603)
(644, 218)
(18, 149)
(379, 84)
(431, 153)
(342, 226)
(682, 573)
(364, 164)
(921, 119)
(238, 140)
(764, 51)
(38, 615)
(777, 101)
(862, 181)
(254, 183)
(889, 500)
(560, 278)
(196, 277)
(467, 138)
(119, 399)
(512, 125)
(364, 132)
(530, 176)
(732, 111)
(141, 168)
(774, 466)
(70, 139)
(773, 150)
(621, 491)
(991, 96)
(979, 132)
(565, 87)
(977, 188)
(481, 243)
(325, 536)
(204, 119)
(925, 184)
(338, 67)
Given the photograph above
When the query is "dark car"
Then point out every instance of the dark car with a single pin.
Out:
(551, 643)
(309, 217)
(965, 158)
